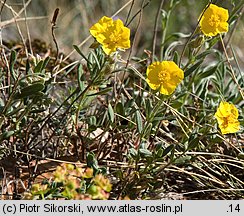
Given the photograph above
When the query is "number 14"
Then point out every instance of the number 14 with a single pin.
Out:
(234, 207)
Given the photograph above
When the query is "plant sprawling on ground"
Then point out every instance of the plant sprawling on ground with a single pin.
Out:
(141, 111)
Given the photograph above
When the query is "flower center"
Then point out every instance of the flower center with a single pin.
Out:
(214, 20)
(226, 122)
(163, 76)
(113, 38)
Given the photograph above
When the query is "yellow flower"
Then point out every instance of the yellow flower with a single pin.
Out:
(214, 20)
(111, 34)
(165, 76)
(227, 117)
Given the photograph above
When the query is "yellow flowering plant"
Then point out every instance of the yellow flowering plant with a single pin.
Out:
(214, 20)
(165, 76)
(227, 117)
(111, 34)
(142, 121)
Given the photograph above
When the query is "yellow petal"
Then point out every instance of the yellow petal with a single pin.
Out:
(207, 29)
(214, 20)
(108, 49)
(124, 42)
(166, 75)
(232, 128)
(223, 27)
(176, 77)
(152, 85)
(118, 23)
(227, 117)
(221, 12)
(167, 89)
(111, 34)
(152, 73)
(153, 66)
(100, 26)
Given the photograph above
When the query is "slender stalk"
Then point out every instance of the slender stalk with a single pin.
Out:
(129, 13)
(192, 34)
(165, 31)
(155, 29)
(231, 68)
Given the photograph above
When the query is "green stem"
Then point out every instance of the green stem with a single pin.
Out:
(26, 110)
(164, 35)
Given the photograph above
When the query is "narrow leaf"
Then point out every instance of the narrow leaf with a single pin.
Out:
(193, 68)
(110, 113)
(78, 50)
(138, 121)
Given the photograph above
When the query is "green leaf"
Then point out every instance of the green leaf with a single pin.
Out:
(147, 130)
(45, 62)
(145, 152)
(176, 57)
(149, 108)
(6, 135)
(132, 152)
(27, 66)
(193, 68)
(183, 160)
(193, 141)
(30, 90)
(204, 91)
(206, 73)
(167, 150)
(139, 121)
(92, 161)
(38, 67)
(181, 35)
(171, 47)
(135, 71)
(196, 42)
(33, 88)
(201, 87)
(23, 83)
(241, 156)
(110, 113)
(78, 50)
(13, 58)
(120, 109)
(213, 41)
(92, 120)
(80, 73)
(37, 95)
(96, 60)
(172, 154)
(158, 145)
(205, 53)
(159, 153)
(177, 104)
(102, 92)
(37, 110)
